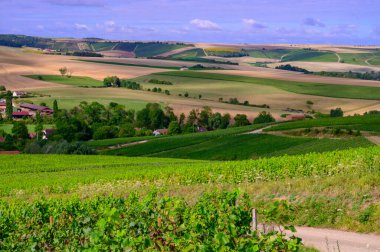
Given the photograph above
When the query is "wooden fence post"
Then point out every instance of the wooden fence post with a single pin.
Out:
(254, 219)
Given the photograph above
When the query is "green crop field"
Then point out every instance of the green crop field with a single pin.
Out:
(73, 80)
(361, 58)
(189, 54)
(269, 53)
(130, 47)
(103, 46)
(318, 89)
(307, 178)
(150, 50)
(234, 147)
(311, 56)
(365, 123)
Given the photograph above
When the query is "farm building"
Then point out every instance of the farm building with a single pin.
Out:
(3, 106)
(295, 117)
(20, 114)
(34, 108)
(19, 94)
(47, 132)
(159, 132)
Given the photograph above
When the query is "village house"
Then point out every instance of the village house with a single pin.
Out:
(159, 132)
(46, 133)
(19, 94)
(20, 114)
(3, 106)
(33, 108)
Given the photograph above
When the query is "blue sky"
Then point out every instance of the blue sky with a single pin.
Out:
(233, 21)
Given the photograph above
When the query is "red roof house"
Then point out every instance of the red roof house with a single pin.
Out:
(20, 114)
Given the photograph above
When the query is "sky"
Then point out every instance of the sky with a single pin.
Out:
(355, 22)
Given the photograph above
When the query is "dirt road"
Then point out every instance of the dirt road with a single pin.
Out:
(327, 240)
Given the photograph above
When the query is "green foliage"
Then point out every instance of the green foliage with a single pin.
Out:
(2, 88)
(338, 112)
(310, 55)
(162, 82)
(127, 64)
(174, 128)
(112, 81)
(105, 132)
(264, 117)
(153, 49)
(241, 120)
(9, 106)
(218, 221)
(20, 131)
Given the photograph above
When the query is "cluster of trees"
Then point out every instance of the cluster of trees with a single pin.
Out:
(114, 81)
(338, 112)
(64, 71)
(21, 40)
(354, 75)
(86, 54)
(159, 90)
(245, 103)
(289, 67)
(161, 82)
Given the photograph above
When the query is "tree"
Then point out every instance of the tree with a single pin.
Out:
(2, 88)
(241, 120)
(63, 71)
(264, 117)
(204, 116)
(105, 132)
(174, 128)
(39, 127)
(112, 81)
(126, 130)
(55, 108)
(338, 112)
(215, 121)
(225, 121)
(186, 94)
(20, 131)
(200, 96)
(9, 106)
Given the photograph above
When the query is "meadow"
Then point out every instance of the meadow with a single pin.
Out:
(317, 89)
(79, 81)
(127, 64)
(310, 56)
(31, 127)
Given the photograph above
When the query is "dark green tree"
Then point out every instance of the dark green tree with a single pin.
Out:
(264, 117)
(241, 120)
(20, 131)
(55, 108)
(174, 128)
(338, 112)
(9, 106)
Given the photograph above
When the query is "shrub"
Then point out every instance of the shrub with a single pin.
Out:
(264, 117)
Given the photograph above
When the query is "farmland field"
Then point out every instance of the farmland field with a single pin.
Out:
(73, 80)
(311, 56)
(150, 50)
(308, 177)
(318, 89)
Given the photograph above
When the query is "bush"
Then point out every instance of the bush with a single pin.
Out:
(126, 130)
(264, 117)
(174, 128)
(105, 132)
(338, 112)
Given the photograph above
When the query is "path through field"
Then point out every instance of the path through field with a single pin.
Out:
(338, 56)
(374, 139)
(327, 240)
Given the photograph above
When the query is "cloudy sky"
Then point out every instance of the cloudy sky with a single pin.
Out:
(234, 21)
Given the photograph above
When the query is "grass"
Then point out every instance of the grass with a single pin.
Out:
(103, 46)
(234, 147)
(364, 123)
(127, 64)
(189, 54)
(361, 58)
(270, 54)
(311, 183)
(79, 81)
(31, 127)
(150, 50)
(317, 89)
(310, 56)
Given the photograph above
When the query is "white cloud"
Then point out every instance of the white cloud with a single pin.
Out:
(204, 24)
(82, 27)
(253, 23)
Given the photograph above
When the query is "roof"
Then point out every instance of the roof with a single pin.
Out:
(2, 139)
(9, 152)
(161, 131)
(34, 107)
(3, 104)
(21, 113)
(48, 131)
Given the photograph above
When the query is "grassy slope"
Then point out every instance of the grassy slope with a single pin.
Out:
(311, 183)
(189, 54)
(270, 54)
(310, 56)
(150, 50)
(318, 89)
(74, 80)
(365, 123)
(103, 46)
(360, 58)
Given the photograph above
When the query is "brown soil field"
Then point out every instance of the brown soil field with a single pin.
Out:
(118, 54)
